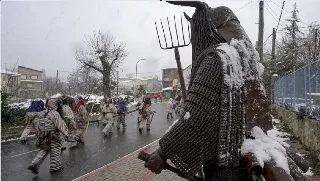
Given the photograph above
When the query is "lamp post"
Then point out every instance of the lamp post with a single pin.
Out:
(134, 90)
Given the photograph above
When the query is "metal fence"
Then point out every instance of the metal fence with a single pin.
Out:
(300, 90)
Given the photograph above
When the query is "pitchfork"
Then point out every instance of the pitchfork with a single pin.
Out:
(176, 51)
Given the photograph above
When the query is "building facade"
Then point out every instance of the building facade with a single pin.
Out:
(31, 83)
(168, 75)
(10, 82)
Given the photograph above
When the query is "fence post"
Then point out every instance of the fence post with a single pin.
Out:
(294, 89)
(309, 82)
(305, 86)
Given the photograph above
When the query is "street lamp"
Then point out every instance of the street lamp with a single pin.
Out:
(134, 90)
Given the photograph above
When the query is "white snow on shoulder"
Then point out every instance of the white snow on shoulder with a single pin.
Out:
(242, 68)
(187, 115)
(265, 149)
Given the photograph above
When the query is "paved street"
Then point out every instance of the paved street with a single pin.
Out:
(95, 153)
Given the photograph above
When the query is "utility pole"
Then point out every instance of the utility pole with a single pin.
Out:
(57, 86)
(117, 83)
(261, 27)
(273, 57)
(315, 44)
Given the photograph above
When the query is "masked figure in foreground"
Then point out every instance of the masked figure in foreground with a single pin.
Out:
(226, 99)
(50, 130)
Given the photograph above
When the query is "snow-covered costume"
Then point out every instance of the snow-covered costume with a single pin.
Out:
(68, 116)
(81, 116)
(111, 114)
(221, 72)
(103, 110)
(49, 139)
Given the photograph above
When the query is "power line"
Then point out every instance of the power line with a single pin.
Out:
(267, 38)
(288, 12)
(271, 9)
(243, 6)
(280, 16)
(274, 17)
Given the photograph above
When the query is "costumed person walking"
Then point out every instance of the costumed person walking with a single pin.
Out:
(111, 114)
(122, 114)
(169, 108)
(144, 111)
(224, 63)
(31, 118)
(160, 97)
(103, 110)
(81, 116)
(49, 139)
(68, 116)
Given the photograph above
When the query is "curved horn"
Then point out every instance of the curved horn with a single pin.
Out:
(195, 4)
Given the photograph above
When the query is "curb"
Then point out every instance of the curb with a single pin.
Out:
(101, 168)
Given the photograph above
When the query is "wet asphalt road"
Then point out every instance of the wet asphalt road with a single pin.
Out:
(95, 153)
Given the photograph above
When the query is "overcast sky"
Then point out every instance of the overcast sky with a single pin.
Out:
(44, 34)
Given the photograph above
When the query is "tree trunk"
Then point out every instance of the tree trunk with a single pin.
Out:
(106, 85)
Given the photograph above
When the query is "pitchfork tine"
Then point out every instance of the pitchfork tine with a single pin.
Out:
(158, 34)
(165, 39)
(170, 31)
(189, 34)
(184, 41)
(175, 24)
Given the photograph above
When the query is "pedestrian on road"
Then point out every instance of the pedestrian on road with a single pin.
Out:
(81, 116)
(160, 97)
(49, 139)
(122, 114)
(144, 111)
(155, 96)
(103, 109)
(169, 108)
(111, 114)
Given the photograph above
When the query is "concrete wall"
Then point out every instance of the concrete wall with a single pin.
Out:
(307, 130)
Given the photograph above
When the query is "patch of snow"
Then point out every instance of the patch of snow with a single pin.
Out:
(187, 115)
(277, 121)
(300, 154)
(10, 73)
(56, 96)
(309, 172)
(279, 136)
(265, 148)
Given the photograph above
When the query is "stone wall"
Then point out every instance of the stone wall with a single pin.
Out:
(306, 130)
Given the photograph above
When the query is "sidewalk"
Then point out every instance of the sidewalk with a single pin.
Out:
(129, 168)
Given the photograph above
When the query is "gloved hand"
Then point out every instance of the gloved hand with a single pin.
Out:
(156, 161)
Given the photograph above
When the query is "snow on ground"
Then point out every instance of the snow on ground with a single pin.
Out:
(25, 104)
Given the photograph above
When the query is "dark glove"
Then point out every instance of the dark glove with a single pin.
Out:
(156, 161)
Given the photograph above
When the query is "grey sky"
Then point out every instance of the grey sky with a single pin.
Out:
(44, 34)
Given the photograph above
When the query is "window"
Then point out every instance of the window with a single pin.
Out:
(29, 85)
(23, 76)
(34, 77)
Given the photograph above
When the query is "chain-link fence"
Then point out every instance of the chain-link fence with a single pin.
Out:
(300, 90)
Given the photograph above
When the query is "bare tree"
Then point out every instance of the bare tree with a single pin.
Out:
(103, 55)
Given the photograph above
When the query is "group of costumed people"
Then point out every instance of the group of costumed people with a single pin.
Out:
(55, 122)
(64, 120)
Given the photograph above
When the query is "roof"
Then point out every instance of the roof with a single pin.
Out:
(31, 80)
(28, 68)
(10, 73)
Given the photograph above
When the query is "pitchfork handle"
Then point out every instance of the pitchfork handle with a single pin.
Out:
(145, 157)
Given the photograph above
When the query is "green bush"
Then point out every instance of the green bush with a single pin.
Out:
(10, 115)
